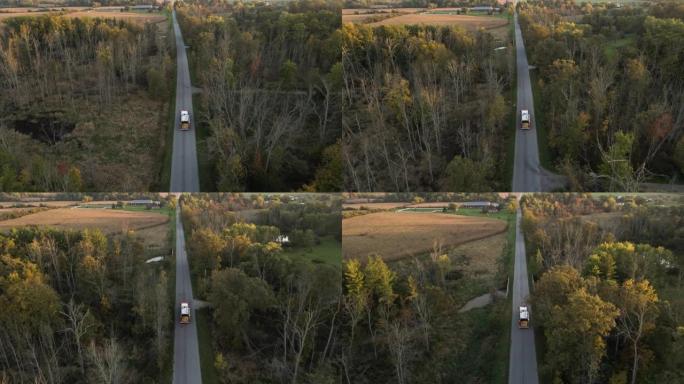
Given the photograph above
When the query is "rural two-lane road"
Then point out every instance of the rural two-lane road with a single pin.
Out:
(186, 361)
(184, 172)
(522, 366)
(526, 167)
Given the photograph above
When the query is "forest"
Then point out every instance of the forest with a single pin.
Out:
(273, 314)
(607, 297)
(82, 307)
(609, 91)
(269, 110)
(76, 104)
(425, 108)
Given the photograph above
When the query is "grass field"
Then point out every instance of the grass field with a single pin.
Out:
(328, 251)
(396, 235)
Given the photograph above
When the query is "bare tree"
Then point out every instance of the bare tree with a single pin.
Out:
(78, 323)
(108, 362)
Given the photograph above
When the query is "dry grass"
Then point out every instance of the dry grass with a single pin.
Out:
(606, 220)
(396, 235)
(479, 258)
(109, 221)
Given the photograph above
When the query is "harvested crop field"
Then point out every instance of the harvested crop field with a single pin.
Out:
(396, 235)
(109, 221)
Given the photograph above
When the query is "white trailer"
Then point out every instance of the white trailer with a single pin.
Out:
(185, 313)
(524, 320)
(525, 119)
(184, 120)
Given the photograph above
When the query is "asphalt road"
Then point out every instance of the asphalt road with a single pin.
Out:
(184, 173)
(526, 169)
(186, 361)
(522, 367)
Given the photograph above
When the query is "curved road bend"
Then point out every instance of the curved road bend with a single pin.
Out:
(186, 361)
(522, 366)
(184, 172)
(526, 167)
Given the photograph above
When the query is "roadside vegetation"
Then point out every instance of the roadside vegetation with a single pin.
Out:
(84, 103)
(82, 306)
(402, 315)
(426, 107)
(606, 302)
(270, 79)
(272, 284)
(609, 89)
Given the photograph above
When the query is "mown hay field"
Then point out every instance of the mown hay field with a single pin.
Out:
(395, 235)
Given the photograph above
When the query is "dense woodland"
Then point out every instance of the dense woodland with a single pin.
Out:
(607, 301)
(611, 91)
(274, 316)
(76, 102)
(425, 108)
(270, 105)
(82, 307)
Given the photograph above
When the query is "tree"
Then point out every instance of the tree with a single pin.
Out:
(108, 361)
(553, 289)
(638, 312)
(235, 296)
(329, 175)
(356, 297)
(79, 322)
(464, 174)
(578, 331)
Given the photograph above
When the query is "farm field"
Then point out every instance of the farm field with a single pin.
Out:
(71, 12)
(108, 220)
(470, 23)
(138, 17)
(397, 235)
